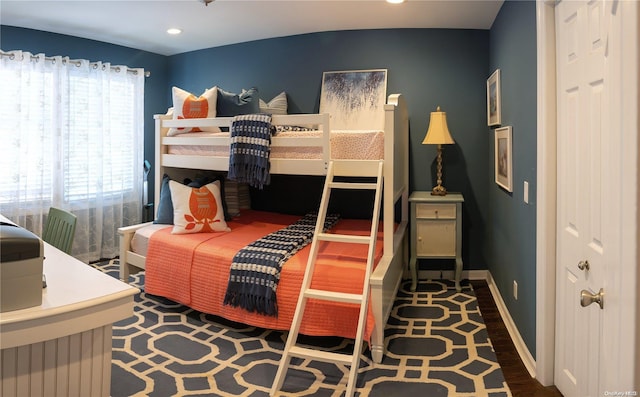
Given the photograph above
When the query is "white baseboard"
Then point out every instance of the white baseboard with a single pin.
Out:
(526, 357)
(449, 274)
(476, 275)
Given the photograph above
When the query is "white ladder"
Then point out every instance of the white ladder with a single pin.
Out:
(337, 168)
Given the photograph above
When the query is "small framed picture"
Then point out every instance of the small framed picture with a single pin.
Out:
(503, 158)
(494, 116)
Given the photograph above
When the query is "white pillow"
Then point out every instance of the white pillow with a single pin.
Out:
(197, 210)
(278, 105)
(187, 106)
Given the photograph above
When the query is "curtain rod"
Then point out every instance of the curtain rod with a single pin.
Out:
(77, 63)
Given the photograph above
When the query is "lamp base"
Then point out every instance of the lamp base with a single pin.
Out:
(439, 190)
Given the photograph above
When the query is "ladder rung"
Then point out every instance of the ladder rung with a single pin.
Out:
(333, 296)
(352, 185)
(344, 238)
(368, 168)
(303, 352)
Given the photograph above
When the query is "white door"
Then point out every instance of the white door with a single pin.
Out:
(589, 353)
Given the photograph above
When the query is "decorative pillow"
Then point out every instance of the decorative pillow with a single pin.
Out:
(278, 105)
(197, 210)
(230, 104)
(202, 180)
(164, 214)
(187, 106)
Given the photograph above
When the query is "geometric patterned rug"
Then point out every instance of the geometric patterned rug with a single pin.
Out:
(437, 345)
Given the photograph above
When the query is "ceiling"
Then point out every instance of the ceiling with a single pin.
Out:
(142, 24)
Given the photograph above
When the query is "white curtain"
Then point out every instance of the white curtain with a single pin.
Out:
(72, 135)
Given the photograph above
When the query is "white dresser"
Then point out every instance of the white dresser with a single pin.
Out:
(63, 347)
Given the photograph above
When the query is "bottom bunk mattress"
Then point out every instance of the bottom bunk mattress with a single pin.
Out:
(193, 269)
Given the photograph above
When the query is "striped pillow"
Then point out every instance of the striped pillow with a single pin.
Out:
(236, 197)
(278, 105)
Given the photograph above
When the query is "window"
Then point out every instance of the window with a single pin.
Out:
(72, 131)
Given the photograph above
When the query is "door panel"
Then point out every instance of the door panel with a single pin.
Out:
(582, 162)
(597, 107)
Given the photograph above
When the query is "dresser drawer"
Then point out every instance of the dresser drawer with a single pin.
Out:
(435, 211)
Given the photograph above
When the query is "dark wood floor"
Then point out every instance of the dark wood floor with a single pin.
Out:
(518, 378)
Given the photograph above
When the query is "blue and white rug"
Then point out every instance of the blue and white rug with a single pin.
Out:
(437, 346)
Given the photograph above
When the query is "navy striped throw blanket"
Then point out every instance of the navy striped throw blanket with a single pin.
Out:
(255, 270)
(250, 149)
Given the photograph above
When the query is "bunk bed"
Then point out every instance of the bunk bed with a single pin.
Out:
(177, 155)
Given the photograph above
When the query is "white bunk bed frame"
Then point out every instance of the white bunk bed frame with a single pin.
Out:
(386, 278)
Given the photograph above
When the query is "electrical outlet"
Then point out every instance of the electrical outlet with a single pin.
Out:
(515, 289)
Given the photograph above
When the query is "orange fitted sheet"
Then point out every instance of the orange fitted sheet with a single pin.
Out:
(193, 269)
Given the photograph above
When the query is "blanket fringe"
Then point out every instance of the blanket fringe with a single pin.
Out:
(252, 303)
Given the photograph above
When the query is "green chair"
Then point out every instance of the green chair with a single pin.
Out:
(60, 229)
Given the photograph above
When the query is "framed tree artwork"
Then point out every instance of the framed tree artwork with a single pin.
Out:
(494, 116)
(355, 99)
(504, 158)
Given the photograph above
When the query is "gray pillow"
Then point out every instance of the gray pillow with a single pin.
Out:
(165, 206)
(230, 104)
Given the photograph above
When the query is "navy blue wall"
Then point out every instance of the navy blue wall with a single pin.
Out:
(511, 252)
(51, 44)
(431, 67)
(446, 68)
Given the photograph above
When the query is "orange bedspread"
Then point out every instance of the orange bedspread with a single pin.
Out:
(193, 269)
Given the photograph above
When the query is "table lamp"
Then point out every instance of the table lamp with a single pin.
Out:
(438, 134)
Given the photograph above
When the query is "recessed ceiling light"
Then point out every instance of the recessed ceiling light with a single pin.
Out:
(395, 1)
(174, 31)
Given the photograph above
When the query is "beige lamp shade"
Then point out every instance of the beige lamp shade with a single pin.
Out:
(438, 132)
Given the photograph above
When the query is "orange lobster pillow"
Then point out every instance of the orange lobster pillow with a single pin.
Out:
(188, 106)
(197, 210)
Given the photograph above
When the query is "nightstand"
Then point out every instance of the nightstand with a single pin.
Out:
(436, 231)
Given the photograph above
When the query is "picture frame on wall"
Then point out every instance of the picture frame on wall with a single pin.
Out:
(355, 99)
(504, 158)
(494, 114)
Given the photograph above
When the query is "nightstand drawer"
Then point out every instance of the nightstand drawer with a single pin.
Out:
(435, 211)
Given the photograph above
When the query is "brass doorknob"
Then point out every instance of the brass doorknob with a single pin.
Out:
(587, 298)
(583, 265)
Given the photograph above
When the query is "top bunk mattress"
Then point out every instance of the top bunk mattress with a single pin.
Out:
(345, 144)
